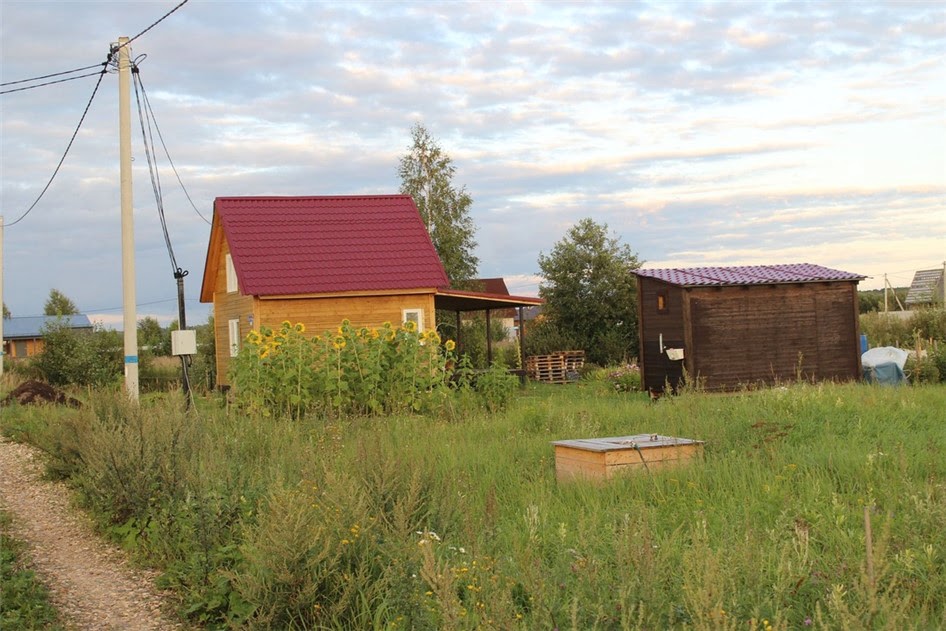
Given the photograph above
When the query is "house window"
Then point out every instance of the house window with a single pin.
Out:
(234, 337)
(413, 315)
(662, 302)
(19, 348)
(232, 285)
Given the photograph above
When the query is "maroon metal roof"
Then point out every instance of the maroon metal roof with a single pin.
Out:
(302, 245)
(748, 275)
(492, 285)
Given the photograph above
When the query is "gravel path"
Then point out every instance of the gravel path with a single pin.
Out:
(90, 582)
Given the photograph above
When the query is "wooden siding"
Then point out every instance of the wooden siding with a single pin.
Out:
(764, 334)
(228, 306)
(33, 346)
(325, 314)
(656, 368)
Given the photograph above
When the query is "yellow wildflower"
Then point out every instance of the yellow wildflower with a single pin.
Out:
(450, 345)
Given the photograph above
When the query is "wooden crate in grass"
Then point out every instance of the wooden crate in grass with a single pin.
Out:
(603, 458)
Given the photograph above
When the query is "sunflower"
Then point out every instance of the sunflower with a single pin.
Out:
(339, 343)
(300, 328)
(450, 345)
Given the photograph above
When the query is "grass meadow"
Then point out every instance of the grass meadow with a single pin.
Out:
(814, 506)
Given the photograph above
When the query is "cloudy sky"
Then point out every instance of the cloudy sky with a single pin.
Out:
(701, 133)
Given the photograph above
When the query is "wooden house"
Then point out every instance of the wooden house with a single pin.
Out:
(23, 337)
(320, 260)
(734, 326)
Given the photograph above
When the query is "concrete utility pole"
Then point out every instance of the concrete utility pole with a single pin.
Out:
(1, 294)
(130, 320)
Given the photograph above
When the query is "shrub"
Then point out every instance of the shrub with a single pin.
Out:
(79, 357)
(496, 387)
(626, 378)
(544, 338)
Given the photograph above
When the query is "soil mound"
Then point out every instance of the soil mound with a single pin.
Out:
(37, 392)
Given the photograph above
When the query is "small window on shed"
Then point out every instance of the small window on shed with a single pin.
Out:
(662, 305)
(234, 337)
(414, 315)
(232, 285)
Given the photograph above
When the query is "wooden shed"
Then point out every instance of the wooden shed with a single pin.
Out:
(23, 336)
(320, 260)
(735, 326)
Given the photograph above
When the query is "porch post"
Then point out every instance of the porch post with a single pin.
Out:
(522, 346)
(489, 343)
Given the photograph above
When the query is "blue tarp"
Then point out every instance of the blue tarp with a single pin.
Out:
(884, 365)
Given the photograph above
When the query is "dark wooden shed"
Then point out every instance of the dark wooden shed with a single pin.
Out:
(735, 326)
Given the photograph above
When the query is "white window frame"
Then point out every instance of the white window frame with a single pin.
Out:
(232, 283)
(419, 319)
(234, 337)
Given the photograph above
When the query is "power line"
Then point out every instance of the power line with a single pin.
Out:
(54, 74)
(152, 119)
(148, 140)
(40, 85)
(161, 19)
(64, 154)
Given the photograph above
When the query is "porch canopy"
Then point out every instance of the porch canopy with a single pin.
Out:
(466, 301)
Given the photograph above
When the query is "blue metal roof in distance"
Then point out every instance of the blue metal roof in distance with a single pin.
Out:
(32, 326)
(748, 275)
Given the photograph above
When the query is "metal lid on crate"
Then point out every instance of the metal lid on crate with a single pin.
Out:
(637, 441)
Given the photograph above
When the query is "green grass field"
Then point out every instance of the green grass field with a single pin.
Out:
(421, 523)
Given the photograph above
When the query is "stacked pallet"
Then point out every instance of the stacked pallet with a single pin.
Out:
(560, 367)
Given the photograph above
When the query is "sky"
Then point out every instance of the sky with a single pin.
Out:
(700, 133)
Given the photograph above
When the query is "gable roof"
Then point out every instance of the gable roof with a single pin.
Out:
(491, 286)
(309, 245)
(927, 287)
(748, 275)
(31, 327)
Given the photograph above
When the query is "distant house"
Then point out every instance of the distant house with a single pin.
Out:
(734, 326)
(319, 260)
(926, 289)
(497, 287)
(23, 337)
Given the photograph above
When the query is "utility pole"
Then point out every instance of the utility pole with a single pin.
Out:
(885, 293)
(1, 295)
(130, 319)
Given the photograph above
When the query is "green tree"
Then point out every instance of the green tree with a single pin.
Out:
(590, 292)
(58, 304)
(6, 312)
(153, 336)
(426, 174)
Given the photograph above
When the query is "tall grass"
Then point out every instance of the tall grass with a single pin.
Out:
(420, 523)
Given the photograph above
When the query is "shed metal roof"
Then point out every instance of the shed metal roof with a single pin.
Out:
(927, 287)
(303, 245)
(31, 327)
(748, 275)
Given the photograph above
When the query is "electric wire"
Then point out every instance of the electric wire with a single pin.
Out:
(148, 140)
(39, 85)
(65, 153)
(161, 19)
(53, 74)
(157, 128)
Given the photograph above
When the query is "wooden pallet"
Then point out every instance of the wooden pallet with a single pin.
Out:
(560, 367)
